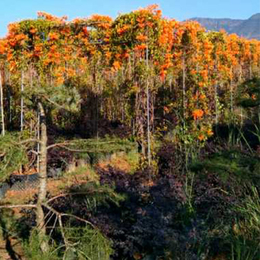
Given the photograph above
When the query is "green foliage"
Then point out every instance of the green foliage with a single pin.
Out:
(32, 249)
(242, 249)
(249, 211)
(108, 144)
(133, 157)
(41, 25)
(226, 163)
(12, 155)
(244, 237)
(96, 149)
(82, 170)
(92, 194)
(66, 96)
(9, 226)
(188, 188)
(63, 97)
(87, 243)
(82, 243)
(129, 36)
(249, 93)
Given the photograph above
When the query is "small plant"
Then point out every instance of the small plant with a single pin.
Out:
(12, 155)
(250, 214)
(32, 249)
(244, 239)
(242, 249)
(87, 243)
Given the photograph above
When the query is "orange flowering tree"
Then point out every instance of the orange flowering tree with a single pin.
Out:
(135, 40)
(137, 67)
(191, 61)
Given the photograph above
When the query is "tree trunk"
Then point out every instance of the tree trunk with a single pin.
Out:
(148, 111)
(43, 178)
(184, 88)
(38, 144)
(2, 104)
(231, 92)
(216, 103)
(22, 101)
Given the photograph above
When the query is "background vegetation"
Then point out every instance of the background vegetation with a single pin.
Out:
(145, 135)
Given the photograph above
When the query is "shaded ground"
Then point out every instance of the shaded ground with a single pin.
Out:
(166, 216)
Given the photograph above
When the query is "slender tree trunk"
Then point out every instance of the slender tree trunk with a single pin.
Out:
(216, 103)
(21, 114)
(43, 178)
(217, 83)
(22, 101)
(250, 71)
(231, 92)
(184, 89)
(148, 111)
(240, 73)
(38, 137)
(2, 104)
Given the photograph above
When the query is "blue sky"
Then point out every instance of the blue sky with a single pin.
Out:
(16, 10)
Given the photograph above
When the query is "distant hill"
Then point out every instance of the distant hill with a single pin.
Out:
(249, 28)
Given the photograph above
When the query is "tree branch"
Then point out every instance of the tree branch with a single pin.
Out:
(59, 216)
(29, 141)
(53, 102)
(18, 206)
(67, 195)
(58, 144)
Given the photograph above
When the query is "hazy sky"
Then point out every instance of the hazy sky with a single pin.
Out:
(16, 10)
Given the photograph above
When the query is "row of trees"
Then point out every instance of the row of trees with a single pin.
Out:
(148, 72)
(139, 66)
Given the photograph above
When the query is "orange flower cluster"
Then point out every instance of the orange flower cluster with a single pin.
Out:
(123, 29)
(50, 17)
(197, 114)
(53, 36)
(33, 31)
(141, 47)
(141, 37)
(17, 39)
(3, 47)
(116, 65)
(101, 21)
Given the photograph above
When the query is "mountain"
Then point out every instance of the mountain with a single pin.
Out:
(249, 28)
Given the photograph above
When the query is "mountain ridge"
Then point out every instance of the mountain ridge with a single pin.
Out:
(248, 28)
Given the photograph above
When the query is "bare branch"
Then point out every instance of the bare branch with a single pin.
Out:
(59, 144)
(66, 143)
(33, 152)
(76, 150)
(59, 216)
(78, 218)
(54, 103)
(67, 195)
(17, 206)
(29, 141)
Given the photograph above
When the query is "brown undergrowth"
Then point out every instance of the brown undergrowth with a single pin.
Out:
(122, 162)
